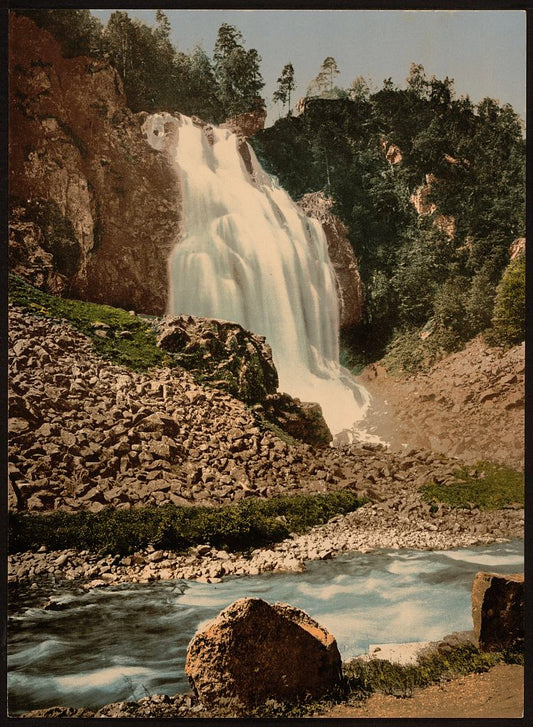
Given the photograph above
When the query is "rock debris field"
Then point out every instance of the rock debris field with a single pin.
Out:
(85, 434)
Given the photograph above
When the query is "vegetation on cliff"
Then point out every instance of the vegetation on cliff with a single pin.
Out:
(412, 172)
(156, 76)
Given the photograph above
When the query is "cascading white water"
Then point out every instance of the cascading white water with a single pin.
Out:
(247, 254)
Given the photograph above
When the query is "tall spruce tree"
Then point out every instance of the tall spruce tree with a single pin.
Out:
(237, 72)
(285, 86)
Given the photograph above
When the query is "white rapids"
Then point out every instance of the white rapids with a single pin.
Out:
(247, 254)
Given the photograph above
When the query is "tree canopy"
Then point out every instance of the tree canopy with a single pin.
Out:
(441, 268)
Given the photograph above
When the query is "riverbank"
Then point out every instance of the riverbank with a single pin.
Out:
(495, 694)
(400, 519)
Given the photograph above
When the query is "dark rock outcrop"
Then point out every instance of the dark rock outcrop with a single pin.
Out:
(246, 124)
(498, 610)
(302, 420)
(254, 651)
(342, 256)
(95, 210)
(224, 353)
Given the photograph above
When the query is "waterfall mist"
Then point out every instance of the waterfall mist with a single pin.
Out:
(247, 254)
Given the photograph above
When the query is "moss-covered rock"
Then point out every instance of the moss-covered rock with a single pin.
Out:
(222, 354)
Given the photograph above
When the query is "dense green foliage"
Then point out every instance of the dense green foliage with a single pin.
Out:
(156, 76)
(251, 523)
(416, 271)
(485, 485)
(130, 340)
(508, 322)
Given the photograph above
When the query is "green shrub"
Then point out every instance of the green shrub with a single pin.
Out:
(408, 353)
(485, 485)
(365, 677)
(509, 319)
(251, 523)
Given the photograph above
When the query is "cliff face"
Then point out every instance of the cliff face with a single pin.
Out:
(347, 278)
(94, 210)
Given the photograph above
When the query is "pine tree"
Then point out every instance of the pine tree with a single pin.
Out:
(285, 86)
(237, 72)
(322, 85)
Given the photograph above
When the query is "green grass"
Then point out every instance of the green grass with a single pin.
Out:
(137, 349)
(250, 523)
(485, 485)
(364, 678)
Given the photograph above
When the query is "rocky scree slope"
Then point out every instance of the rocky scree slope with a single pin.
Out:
(469, 404)
(86, 434)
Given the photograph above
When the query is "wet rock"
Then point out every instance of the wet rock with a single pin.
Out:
(254, 651)
(498, 610)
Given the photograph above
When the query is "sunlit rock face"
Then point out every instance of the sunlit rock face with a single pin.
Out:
(94, 211)
(248, 254)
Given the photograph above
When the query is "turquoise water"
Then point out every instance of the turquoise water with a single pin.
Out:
(127, 641)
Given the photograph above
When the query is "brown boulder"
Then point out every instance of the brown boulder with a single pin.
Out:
(498, 610)
(255, 651)
(224, 353)
(302, 420)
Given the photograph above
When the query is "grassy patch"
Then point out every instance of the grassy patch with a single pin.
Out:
(250, 523)
(130, 341)
(365, 677)
(485, 485)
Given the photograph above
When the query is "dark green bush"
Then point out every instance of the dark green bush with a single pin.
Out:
(251, 523)
(509, 319)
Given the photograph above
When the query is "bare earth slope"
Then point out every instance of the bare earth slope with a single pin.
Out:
(497, 693)
(468, 405)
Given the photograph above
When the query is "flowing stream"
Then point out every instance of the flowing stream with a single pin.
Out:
(247, 254)
(126, 641)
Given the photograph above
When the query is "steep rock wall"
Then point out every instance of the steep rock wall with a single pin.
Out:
(95, 210)
(342, 256)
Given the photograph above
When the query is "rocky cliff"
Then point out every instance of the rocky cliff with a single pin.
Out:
(94, 210)
(347, 278)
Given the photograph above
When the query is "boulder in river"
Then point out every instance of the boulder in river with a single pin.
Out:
(498, 610)
(253, 651)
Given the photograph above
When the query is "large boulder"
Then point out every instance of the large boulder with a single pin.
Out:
(347, 278)
(254, 651)
(498, 610)
(223, 353)
(302, 420)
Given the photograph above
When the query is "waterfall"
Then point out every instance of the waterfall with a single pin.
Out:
(247, 254)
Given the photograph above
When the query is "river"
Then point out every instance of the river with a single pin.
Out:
(127, 641)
